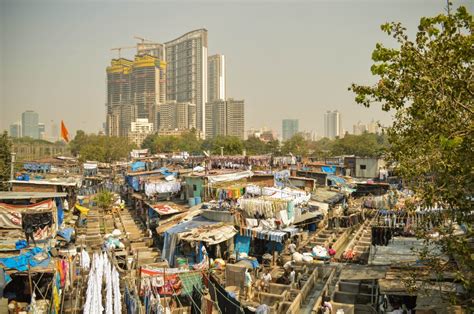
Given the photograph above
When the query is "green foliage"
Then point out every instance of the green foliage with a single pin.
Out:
(428, 84)
(99, 147)
(232, 145)
(296, 145)
(364, 145)
(5, 160)
(104, 199)
(188, 142)
(256, 146)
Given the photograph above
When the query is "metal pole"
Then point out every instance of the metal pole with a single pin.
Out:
(12, 169)
(222, 151)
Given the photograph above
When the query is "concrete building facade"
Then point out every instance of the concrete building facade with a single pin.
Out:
(139, 130)
(29, 124)
(290, 127)
(225, 118)
(332, 124)
(216, 86)
(177, 116)
(186, 59)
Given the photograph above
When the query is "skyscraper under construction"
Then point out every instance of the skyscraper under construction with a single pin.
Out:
(176, 71)
(134, 91)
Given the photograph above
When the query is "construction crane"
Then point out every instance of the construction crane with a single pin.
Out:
(142, 39)
(119, 49)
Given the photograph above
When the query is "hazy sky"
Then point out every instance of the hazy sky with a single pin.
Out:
(287, 59)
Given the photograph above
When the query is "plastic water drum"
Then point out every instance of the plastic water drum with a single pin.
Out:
(198, 200)
(192, 201)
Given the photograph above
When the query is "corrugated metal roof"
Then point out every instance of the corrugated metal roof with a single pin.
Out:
(45, 182)
(29, 195)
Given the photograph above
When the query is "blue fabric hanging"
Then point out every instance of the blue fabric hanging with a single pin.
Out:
(242, 244)
(59, 205)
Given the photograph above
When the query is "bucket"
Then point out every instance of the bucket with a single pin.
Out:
(192, 201)
(198, 200)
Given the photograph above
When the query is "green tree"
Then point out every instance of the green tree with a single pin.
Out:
(296, 145)
(428, 84)
(255, 146)
(273, 147)
(186, 142)
(100, 148)
(364, 145)
(5, 160)
(189, 142)
(104, 199)
(79, 141)
(232, 145)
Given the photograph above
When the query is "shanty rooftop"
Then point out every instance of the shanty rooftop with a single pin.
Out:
(29, 195)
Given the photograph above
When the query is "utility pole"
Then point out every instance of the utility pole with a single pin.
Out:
(12, 169)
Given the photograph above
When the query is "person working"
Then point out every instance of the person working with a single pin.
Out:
(292, 276)
(292, 247)
(266, 279)
(248, 285)
(331, 252)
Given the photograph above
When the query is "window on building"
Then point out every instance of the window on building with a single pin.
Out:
(363, 167)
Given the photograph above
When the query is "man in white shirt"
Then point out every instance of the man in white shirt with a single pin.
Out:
(292, 247)
(248, 285)
(292, 276)
(266, 279)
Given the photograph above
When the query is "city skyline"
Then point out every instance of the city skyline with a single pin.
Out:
(70, 60)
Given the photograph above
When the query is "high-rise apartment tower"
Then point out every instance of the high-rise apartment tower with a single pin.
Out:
(290, 127)
(29, 124)
(332, 124)
(186, 59)
(216, 77)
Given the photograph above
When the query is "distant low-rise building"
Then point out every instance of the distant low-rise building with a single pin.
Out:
(139, 130)
(33, 150)
(364, 167)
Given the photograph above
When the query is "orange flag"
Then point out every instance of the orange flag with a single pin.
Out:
(64, 132)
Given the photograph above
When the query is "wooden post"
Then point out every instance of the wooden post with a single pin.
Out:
(139, 280)
(29, 279)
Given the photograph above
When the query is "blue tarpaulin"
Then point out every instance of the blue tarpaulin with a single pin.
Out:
(66, 234)
(21, 244)
(337, 179)
(133, 182)
(328, 169)
(138, 165)
(242, 244)
(171, 235)
(20, 262)
(164, 171)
